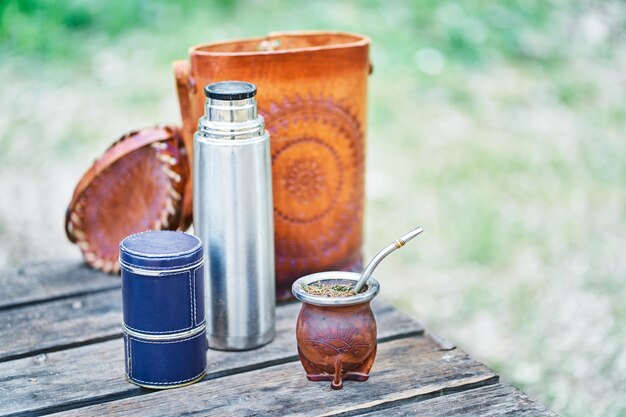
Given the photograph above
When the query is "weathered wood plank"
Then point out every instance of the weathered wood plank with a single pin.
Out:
(493, 400)
(90, 374)
(60, 324)
(406, 369)
(42, 281)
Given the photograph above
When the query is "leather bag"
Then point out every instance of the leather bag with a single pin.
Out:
(312, 92)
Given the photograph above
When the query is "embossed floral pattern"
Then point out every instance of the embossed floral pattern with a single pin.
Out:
(305, 179)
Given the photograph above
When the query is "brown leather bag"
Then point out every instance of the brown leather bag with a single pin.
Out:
(136, 185)
(312, 91)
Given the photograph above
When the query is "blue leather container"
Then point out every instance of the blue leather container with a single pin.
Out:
(163, 302)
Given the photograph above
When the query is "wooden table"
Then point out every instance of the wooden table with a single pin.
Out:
(61, 351)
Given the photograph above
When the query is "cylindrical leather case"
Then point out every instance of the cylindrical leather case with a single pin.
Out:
(313, 95)
(163, 304)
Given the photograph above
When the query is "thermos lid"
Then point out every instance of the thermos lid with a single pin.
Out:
(160, 249)
(230, 90)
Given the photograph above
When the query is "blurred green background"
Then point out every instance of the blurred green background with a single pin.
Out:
(498, 126)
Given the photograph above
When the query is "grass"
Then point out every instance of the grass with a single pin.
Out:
(498, 126)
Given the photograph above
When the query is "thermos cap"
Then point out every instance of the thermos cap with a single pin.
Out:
(230, 90)
(230, 112)
(160, 250)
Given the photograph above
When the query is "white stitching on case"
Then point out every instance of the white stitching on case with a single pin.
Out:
(158, 268)
(130, 358)
(193, 297)
(201, 267)
(190, 299)
(167, 342)
(167, 332)
(170, 383)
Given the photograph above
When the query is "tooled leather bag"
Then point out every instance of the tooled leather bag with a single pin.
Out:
(312, 92)
(137, 185)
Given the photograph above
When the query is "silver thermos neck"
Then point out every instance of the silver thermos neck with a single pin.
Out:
(230, 112)
(233, 216)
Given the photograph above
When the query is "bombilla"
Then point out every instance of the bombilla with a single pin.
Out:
(397, 244)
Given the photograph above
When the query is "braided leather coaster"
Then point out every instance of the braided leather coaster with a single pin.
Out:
(137, 185)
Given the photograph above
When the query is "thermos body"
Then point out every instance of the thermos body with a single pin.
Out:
(233, 216)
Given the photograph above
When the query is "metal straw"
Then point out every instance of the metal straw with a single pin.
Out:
(397, 244)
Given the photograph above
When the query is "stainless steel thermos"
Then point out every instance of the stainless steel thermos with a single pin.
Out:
(233, 216)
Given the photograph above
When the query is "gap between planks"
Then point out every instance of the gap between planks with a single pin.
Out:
(415, 395)
(41, 282)
(491, 400)
(57, 384)
(59, 325)
(406, 369)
